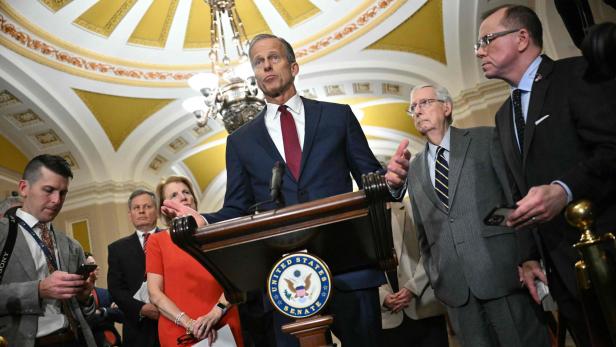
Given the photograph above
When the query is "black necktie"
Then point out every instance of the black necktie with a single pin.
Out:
(518, 116)
(441, 172)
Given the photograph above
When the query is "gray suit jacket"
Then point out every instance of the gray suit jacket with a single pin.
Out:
(461, 254)
(20, 305)
(411, 273)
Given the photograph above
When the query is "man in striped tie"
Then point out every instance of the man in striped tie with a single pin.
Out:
(454, 184)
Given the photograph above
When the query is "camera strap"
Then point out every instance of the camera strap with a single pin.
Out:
(9, 245)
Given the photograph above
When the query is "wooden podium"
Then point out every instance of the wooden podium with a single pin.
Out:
(348, 232)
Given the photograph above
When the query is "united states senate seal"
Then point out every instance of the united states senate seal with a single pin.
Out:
(299, 285)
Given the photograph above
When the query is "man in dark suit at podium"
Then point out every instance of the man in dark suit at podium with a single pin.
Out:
(322, 145)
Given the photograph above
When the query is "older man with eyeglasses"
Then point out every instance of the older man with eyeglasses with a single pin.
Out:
(558, 135)
(472, 266)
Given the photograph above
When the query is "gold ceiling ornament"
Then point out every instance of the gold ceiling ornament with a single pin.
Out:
(228, 93)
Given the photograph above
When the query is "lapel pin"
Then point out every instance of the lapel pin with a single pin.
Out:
(538, 77)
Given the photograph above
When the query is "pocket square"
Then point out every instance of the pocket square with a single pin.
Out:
(541, 119)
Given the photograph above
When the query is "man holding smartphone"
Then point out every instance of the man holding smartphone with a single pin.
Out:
(43, 302)
(454, 184)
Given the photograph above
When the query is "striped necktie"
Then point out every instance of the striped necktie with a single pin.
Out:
(441, 172)
(146, 236)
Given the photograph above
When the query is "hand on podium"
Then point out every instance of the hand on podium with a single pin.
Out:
(172, 209)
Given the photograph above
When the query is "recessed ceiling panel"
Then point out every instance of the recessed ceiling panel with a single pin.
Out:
(295, 11)
(104, 16)
(154, 26)
(119, 115)
(422, 33)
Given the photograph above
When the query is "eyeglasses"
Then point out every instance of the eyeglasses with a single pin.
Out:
(486, 39)
(421, 104)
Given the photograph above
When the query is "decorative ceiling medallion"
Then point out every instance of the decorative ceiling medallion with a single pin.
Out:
(6, 99)
(70, 160)
(157, 162)
(178, 144)
(47, 138)
(25, 119)
(391, 89)
(352, 27)
(362, 88)
(334, 89)
(49, 52)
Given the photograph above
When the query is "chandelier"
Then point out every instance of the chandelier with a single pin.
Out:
(229, 93)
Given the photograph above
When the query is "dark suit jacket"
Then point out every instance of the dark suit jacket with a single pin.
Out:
(20, 304)
(461, 254)
(570, 136)
(124, 277)
(104, 318)
(335, 148)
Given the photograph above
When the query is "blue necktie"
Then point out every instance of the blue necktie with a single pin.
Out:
(441, 172)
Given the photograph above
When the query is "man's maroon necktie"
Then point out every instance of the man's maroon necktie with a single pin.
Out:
(292, 148)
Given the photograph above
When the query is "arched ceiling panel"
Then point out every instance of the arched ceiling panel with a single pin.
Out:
(153, 29)
(12, 158)
(206, 165)
(392, 116)
(119, 115)
(422, 33)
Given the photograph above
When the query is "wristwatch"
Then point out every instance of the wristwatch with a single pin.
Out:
(223, 307)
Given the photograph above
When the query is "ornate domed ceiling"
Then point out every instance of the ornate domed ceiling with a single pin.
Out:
(101, 82)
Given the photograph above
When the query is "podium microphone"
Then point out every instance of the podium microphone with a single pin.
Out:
(277, 172)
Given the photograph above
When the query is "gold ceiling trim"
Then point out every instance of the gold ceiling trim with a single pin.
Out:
(55, 5)
(365, 22)
(295, 12)
(153, 28)
(104, 16)
(46, 53)
(41, 52)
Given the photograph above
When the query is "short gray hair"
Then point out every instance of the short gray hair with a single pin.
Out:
(441, 93)
(139, 192)
(290, 54)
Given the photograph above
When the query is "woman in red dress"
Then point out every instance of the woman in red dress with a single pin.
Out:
(192, 304)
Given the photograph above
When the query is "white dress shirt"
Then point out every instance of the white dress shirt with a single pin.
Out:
(52, 319)
(272, 121)
(140, 235)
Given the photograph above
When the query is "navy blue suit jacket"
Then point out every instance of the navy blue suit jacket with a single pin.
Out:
(335, 148)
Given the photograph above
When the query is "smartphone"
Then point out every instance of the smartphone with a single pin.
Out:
(85, 269)
(498, 216)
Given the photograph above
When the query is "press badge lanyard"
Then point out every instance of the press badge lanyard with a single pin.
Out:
(51, 258)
